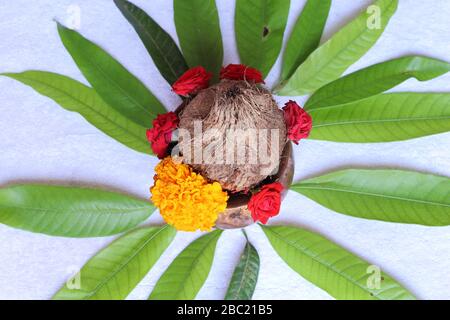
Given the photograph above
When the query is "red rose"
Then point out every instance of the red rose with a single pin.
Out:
(160, 135)
(192, 81)
(266, 203)
(298, 121)
(241, 72)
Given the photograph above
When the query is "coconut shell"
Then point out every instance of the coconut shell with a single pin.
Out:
(220, 109)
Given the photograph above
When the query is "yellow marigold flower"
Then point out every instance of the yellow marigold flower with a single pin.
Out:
(185, 199)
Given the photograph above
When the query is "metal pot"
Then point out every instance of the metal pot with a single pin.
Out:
(237, 214)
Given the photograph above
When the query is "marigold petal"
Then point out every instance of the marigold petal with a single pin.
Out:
(185, 199)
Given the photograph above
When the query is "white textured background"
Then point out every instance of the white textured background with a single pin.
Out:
(41, 142)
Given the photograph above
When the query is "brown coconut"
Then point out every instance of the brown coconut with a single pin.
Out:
(232, 105)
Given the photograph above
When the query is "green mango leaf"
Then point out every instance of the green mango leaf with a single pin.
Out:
(332, 268)
(75, 96)
(117, 269)
(347, 46)
(243, 283)
(198, 29)
(188, 272)
(306, 35)
(376, 79)
(260, 28)
(387, 195)
(160, 45)
(69, 211)
(115, 84)
(383, 118)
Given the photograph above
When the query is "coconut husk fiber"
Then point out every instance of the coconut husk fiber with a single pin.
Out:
(236, 106)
